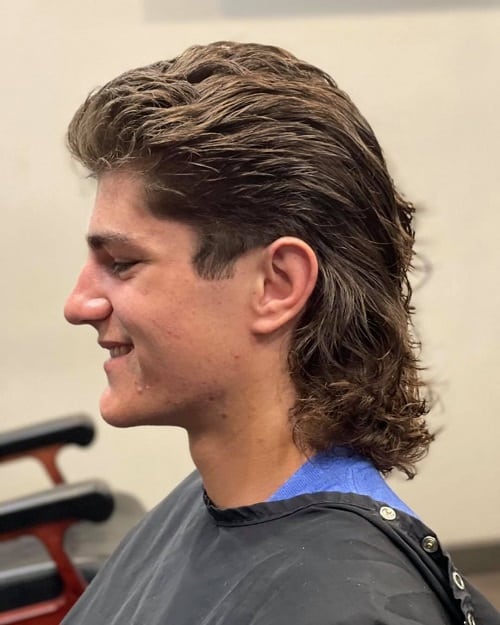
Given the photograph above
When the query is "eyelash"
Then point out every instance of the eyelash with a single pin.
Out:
(116, 267)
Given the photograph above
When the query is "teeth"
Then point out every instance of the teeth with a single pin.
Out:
(114, 352)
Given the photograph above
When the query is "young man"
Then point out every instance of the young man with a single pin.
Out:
(247, 272)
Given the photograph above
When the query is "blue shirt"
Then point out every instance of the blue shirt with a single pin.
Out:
(341, 471)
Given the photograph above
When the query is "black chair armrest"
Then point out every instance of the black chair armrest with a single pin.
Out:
(90, 500)
(29, 575)
(77, 429)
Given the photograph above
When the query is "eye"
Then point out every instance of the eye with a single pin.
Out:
(118, 267)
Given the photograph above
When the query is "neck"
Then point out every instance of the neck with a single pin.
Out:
(245, 460)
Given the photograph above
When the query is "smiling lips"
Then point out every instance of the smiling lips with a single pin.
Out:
(116, 349)
(120, 350)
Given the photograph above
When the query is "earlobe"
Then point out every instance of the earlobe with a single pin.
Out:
(289, 274)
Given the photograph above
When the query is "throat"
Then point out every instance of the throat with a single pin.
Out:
(243, 472)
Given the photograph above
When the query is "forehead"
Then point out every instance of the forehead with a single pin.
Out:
(120, 196)
(120, 212)
(121, 216)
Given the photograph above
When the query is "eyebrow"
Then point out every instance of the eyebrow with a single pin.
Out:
(100, 240)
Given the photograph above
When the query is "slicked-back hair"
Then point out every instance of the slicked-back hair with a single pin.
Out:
(247, 144)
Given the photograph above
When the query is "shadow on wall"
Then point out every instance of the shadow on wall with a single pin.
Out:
(158, 10)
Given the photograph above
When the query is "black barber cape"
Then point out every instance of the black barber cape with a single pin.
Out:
(319, 559)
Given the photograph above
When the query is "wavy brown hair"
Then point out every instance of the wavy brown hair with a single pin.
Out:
(247, 143)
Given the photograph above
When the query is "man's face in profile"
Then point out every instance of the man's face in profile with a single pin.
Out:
(176, 342)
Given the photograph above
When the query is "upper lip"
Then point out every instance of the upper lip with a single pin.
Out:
(111, 344)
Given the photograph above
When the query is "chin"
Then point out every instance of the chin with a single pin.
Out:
(123, 410)
(119, 420)
(118, 414)
(122, 415)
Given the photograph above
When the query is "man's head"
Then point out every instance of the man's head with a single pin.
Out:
(246, 144)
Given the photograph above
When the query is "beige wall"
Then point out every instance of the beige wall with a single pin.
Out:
(427, 81)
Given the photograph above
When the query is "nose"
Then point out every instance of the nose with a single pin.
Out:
(87, 303)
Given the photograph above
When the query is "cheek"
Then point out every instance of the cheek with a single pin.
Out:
(165, 343)
(166, 331)
(198, 322)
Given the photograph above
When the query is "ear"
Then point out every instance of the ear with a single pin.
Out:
(288, 275)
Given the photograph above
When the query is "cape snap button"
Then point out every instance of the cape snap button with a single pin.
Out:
(430, 544)
(389, 514)
(457, 578)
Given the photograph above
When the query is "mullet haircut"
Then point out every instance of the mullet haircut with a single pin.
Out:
(247, 143)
